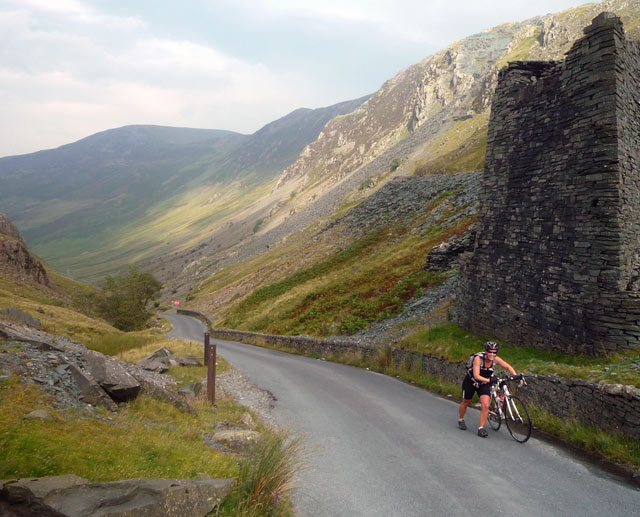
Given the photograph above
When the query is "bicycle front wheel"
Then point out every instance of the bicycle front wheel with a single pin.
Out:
(494, 417)
(518, 421)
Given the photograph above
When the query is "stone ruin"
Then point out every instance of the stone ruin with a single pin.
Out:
(557, 256)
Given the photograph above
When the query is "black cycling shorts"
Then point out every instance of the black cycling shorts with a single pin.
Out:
(469, 388)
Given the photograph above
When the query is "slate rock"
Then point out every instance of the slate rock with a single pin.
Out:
(142, 497)
(112, 377)
(90, 390)
(238, 440)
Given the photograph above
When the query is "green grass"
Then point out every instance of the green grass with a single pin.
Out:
(462, 148)
(265, 481)
(454, 343)
(147, 438)
(116, 343)
(614, 447)
(369, 280)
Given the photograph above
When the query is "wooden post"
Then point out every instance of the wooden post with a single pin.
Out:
(206, 348)
(211, 371)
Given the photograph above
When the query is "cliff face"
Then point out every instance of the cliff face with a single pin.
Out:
(15, 258)
(454, 78)
(453, 84)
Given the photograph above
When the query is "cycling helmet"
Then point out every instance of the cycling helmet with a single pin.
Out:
(491, 345)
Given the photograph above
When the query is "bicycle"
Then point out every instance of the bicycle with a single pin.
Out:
(510, 409)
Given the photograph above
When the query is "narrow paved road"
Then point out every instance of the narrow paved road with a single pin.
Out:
(381, 447)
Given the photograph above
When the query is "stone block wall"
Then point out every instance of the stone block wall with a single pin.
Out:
(557, 252)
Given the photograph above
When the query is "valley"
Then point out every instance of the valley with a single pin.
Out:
(358, 222)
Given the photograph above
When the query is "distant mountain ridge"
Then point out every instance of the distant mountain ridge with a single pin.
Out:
(194, 206)
(63, 199)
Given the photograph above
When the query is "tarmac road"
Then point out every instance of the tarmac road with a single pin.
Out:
(381, 447)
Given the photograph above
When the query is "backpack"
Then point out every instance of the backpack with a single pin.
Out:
(469, 366)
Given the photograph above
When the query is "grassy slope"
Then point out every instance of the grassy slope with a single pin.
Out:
(146, 438)
(174, 224)
(54, 307)
(332, 284)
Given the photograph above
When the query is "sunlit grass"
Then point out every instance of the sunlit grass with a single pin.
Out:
(147, 438)
(117, 343)
(456, 344)
(370, 279)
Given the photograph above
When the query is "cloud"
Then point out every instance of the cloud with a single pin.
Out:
(56, 77)
(69, 68)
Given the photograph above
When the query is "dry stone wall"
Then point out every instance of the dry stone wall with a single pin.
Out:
(557, 255)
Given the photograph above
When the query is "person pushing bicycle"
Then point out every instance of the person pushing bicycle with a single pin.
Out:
(479, 377)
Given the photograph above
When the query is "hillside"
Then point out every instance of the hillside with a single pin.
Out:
(430, 119)
(32, 287)
(224, 220)
(135, 192)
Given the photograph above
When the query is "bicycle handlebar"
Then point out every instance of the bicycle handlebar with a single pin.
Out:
(518, 377)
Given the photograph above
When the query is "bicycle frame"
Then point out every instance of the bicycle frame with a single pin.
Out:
(504, 400)
(505, 408)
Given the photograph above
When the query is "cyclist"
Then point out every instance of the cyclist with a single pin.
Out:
(478, 379)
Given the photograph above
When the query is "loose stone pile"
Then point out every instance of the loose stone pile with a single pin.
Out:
(76, 377)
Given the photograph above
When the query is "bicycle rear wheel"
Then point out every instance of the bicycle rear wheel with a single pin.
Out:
(517, 418)
(494, 417)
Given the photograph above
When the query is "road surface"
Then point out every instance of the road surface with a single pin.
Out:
(381, 447)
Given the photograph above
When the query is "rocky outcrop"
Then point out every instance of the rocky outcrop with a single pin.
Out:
(15, 257)
(450, 83)
(445, 256)
(73, 496)
(17, 315)
(7, 228)
(112, 377)
(163, 359)
(456, 82)
(77, 377)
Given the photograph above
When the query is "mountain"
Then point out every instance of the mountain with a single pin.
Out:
(240, 216)
(119, 196)
(431, 119)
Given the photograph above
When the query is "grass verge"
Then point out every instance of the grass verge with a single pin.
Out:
(146, 438)
(265, 481)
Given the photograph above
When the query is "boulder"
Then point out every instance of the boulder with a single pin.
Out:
(90, 390)
(73, 496)
(38, 414)
(189, 360)
(112, 377)
(172, 397)
(17, 315)
(161, 353)
(23, 497)
(238, 440)
(163, 358)
(193, 390)
(152, 365)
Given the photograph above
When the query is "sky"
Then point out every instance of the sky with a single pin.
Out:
(72, 68)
